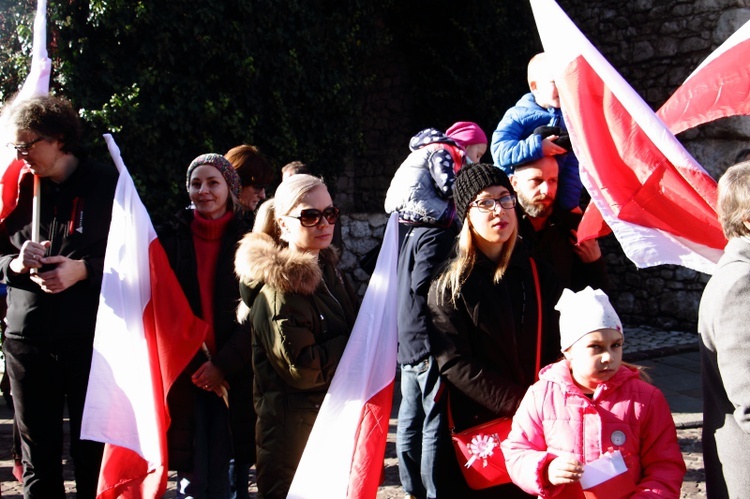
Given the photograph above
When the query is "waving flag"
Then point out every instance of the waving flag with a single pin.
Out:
(344, 455)
(145, 335)
(656, 198)
(718, 88)
(37, 83)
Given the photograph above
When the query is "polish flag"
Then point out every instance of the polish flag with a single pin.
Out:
(718, 88)
(657, 199)
(37, 83)
(344, 455)
(145, 336)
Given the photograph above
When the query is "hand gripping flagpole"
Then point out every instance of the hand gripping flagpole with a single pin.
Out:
(37, 83)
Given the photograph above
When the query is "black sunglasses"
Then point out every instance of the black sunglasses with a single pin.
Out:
(23, 149)
(311, 217)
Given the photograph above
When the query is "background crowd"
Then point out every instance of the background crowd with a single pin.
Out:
(502, 313)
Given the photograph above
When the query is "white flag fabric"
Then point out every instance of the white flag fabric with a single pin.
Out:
(37, 83)
(145, 335)
(344, 455)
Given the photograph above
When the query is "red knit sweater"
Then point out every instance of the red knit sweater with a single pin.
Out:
(207, 235)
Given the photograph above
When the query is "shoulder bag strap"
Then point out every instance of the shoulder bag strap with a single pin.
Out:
(539, 319)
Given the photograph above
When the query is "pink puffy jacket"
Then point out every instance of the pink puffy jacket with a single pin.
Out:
(555, 418)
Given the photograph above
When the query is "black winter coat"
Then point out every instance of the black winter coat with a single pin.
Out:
(423, 253)
(233, 354)
(74, 217)
(486, 348)
(486, 344)
(552, 244)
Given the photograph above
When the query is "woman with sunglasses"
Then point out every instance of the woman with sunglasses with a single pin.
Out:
(302, 312)
(200, 243)
(485, 313)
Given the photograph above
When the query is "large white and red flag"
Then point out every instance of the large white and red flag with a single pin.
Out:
(145, 336)
(718, 88)
(36, 83)
(656, 198)
(344, 455)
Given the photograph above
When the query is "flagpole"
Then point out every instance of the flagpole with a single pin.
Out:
(35, 214)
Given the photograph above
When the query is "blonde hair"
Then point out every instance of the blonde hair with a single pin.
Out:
(642, 371)
(451, 280)
(734, 200)
(288, 195)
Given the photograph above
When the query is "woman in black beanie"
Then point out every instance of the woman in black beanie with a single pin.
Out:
(486, 314)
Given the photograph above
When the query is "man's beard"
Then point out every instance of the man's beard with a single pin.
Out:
(535, 208)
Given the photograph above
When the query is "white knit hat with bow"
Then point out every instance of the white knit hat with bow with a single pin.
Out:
(584, 312)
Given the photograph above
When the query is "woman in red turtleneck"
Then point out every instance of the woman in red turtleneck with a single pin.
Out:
(200, 244)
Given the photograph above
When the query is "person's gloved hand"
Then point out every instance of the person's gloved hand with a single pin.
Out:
(563, 139)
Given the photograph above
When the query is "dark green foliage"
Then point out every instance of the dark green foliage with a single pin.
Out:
(174, 79)
(467, 60)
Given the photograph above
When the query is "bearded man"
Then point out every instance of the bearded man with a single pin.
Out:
(550, 232)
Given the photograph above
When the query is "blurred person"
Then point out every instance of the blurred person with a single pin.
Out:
(725, 345)
(302, 312)
(255, 174)
(293, 168)
(53, 291)
(207, 430)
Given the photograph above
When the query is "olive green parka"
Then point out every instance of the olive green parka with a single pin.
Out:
(301, 312)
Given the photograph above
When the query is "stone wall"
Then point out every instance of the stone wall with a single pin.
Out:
(361, 232)
(655, 45)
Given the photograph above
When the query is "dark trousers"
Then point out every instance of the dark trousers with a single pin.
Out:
(43, 377)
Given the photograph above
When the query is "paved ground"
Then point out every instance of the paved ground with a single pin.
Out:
(673, 363)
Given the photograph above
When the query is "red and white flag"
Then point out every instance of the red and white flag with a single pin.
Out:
(656, 198)
(718, 88)
(344, 455)
(37, 83)
(145, 336)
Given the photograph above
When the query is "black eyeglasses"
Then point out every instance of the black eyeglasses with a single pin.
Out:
(23, 149)
(488, 204)
(312, 217)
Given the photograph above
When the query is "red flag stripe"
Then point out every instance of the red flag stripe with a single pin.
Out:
(146, 334)
(717, 89)
(369, 449)
(640, 184)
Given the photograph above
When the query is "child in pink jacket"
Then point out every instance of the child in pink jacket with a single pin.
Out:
(590, 403)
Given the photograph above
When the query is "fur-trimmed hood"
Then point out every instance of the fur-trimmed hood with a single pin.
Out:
(259, 261)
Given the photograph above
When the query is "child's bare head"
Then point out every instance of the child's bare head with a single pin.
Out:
(541, 82)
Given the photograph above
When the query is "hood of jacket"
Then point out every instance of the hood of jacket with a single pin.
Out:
(260, 260)
(430, 136)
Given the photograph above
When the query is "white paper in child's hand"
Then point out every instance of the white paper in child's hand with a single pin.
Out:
(609, 465)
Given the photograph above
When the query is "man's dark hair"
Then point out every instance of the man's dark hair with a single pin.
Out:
(50, 116)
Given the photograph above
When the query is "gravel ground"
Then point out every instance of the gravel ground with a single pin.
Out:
(692, 488)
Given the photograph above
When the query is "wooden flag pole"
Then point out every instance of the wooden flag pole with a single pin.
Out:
(35, 214)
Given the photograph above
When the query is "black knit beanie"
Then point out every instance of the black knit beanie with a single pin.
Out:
(472, 179)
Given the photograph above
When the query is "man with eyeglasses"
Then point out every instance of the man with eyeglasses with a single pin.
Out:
(550, 232)
(53, 290)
